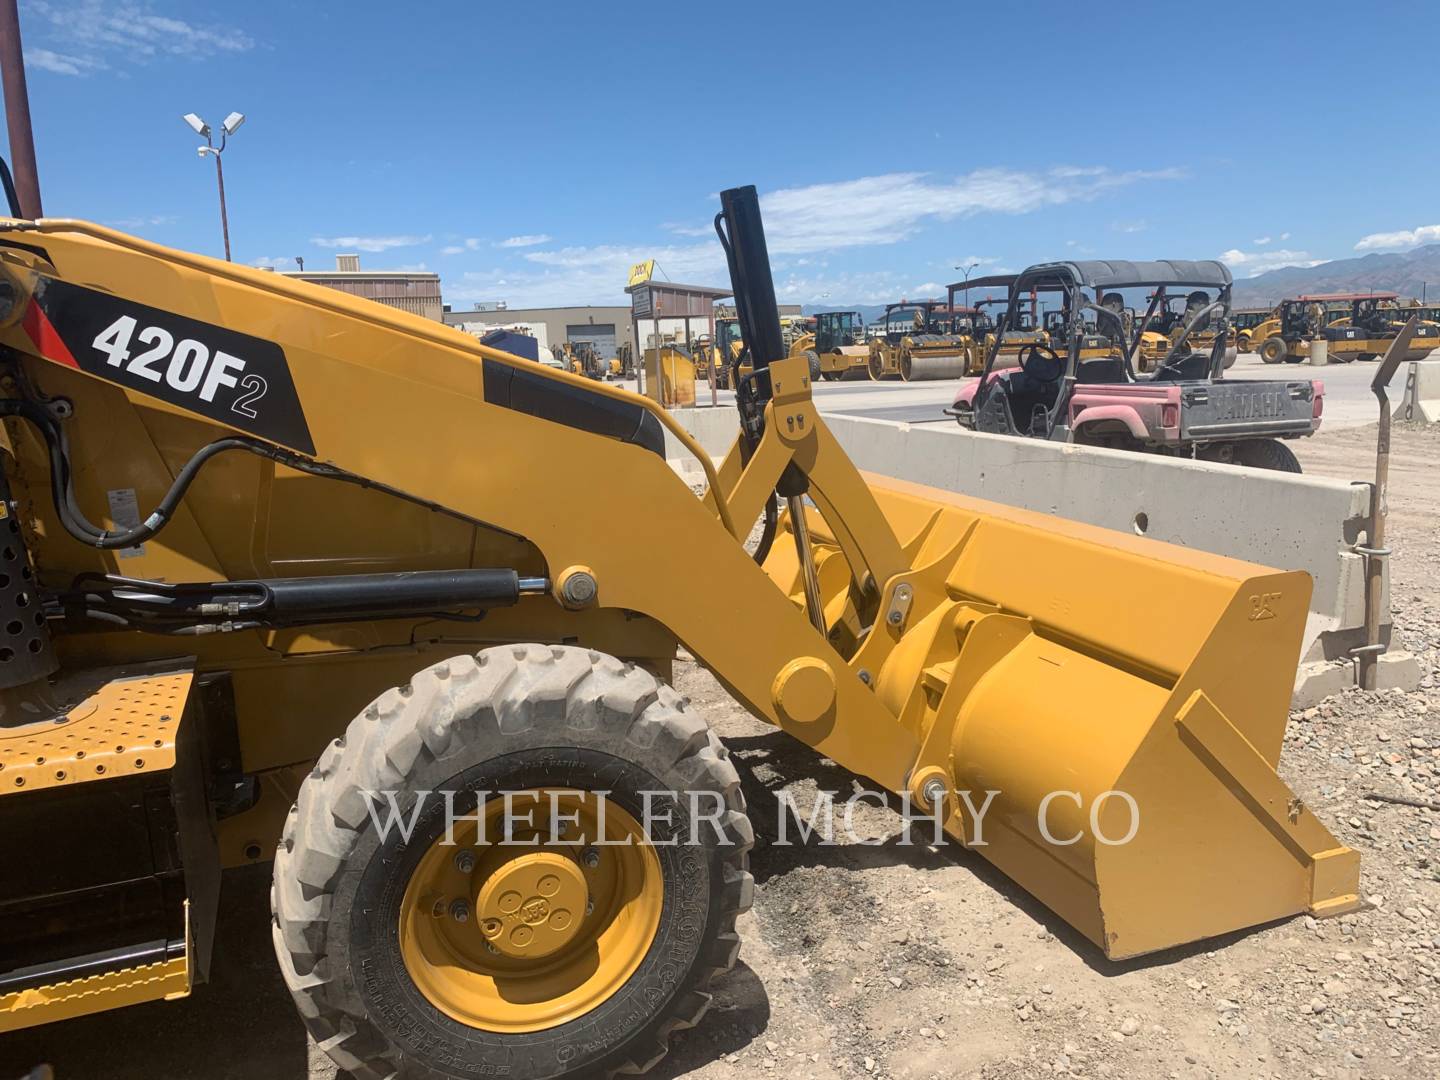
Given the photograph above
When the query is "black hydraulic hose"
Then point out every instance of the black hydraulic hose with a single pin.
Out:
(767, 531)
(62, 491)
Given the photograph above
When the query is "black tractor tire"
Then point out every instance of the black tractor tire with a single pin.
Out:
(813, 359)
(1273, 350)
(831, 376)
(469, 723)
(1266, 454)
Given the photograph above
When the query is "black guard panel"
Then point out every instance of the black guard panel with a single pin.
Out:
(535, 394)
(221, 374)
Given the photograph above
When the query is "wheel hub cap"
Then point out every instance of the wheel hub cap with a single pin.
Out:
(532, 906)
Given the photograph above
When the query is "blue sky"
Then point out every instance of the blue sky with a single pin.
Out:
(532, 152)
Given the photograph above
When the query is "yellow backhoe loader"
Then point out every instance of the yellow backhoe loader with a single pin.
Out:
(291, 574)
(1354, 326)
(725, 351)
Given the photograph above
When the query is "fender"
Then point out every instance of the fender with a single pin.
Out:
(1124, 413)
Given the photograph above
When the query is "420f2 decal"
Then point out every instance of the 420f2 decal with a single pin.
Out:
(229, 377)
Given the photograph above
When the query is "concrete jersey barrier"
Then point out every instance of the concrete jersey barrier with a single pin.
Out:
(1421, 401)
(1272, 518)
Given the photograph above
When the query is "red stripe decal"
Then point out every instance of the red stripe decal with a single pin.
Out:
(47, 340)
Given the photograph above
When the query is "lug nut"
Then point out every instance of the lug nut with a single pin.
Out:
(591, 858)
(894, 618)
(589, 907)
(465, 861)
(437, 907)
(460, 911)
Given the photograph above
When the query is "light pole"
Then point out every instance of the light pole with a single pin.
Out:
(967, 270)
(228, 127)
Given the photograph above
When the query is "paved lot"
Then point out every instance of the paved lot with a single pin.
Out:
(1348, 400)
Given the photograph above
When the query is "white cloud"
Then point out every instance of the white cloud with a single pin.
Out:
(1258, 262)
(688, 230)
(61, 63)
(892, 207)
(1261, 241)
(469, 244)
(802, 221)
(1400, 239)
(90, 32)
(585, 275)
(1130, 226)
(369, 243)
(143, 221)
(1284, 236)
(275, 262)
(528, 240)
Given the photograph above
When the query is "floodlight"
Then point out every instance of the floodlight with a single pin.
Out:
(232, 123)
(201, 128)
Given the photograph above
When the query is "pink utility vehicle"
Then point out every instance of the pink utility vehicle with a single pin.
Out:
(1185, 407)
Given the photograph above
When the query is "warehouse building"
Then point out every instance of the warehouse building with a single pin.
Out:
(607, 327)
(414, 291)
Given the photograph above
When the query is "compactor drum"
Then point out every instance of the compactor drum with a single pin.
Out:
(301, 584)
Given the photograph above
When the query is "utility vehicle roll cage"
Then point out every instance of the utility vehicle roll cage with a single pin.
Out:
(1103, 278)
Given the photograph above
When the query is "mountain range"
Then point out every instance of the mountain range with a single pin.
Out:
(1409, 273)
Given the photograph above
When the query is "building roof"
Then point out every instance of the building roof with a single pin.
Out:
(695, 290)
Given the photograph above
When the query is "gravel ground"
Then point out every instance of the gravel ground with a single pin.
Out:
(908, 961)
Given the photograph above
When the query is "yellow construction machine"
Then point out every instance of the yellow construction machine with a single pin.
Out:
(921, 341)
(1353, 326)
(582, 358)
(725, 350)
(1167, 319)
(1243, 322)
(835, 349)
(1045, 329)
(288, 574)
(1367, 324)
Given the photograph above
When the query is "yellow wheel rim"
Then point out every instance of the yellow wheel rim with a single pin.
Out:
(528, 935)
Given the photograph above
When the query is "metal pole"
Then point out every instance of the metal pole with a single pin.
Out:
(17, 111)
(716, 356)
(224, 220)
(1374, 550)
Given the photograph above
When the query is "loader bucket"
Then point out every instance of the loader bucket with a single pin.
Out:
(1126, 701)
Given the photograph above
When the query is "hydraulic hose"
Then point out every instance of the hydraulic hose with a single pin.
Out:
(62, 491)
